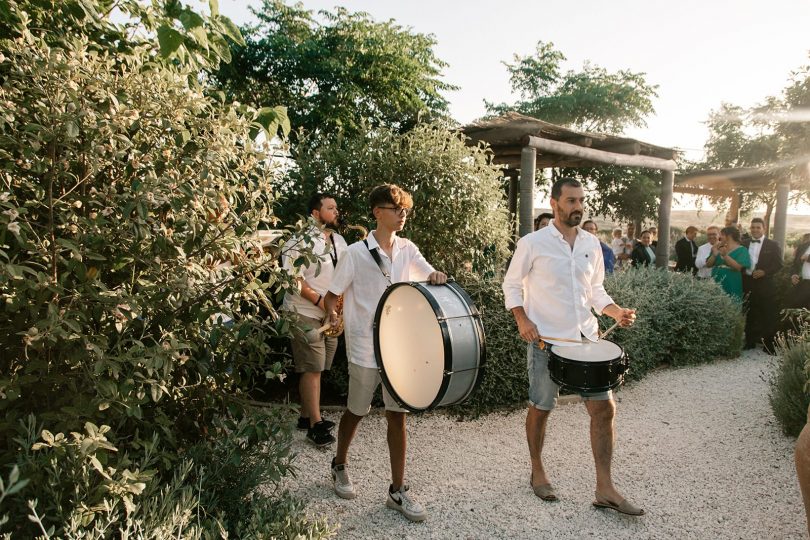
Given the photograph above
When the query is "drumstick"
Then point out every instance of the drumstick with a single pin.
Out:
(313, 335)
(609, 330)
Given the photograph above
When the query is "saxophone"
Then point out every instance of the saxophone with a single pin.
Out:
(335, 331)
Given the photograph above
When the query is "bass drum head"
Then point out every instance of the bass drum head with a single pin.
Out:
(589, 351)
(411, 347)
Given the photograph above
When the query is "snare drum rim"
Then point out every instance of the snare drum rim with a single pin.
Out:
(623, 355)
(447, 347)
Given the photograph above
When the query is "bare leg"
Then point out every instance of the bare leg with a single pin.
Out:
(397, 445)
(346, 431)
(535, 435)
(602, 414)
(309, 386)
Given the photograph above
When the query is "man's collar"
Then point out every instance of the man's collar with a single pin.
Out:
(372, 240)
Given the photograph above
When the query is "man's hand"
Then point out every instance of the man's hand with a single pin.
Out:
(624, 316)
(756, 274)
(329, 306)
(526, 328)
(795, 279)
(437, 278)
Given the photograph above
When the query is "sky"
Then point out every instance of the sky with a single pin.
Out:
(700, 53)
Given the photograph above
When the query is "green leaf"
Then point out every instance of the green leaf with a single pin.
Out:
(231, 30)
(190, 19)
(72, 130)
(170, 40)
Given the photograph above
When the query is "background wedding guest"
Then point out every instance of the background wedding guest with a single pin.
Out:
(703, 271)
(759, 288)
(686, 251)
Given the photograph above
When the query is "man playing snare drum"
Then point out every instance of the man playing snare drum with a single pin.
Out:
(362, 276)
(553, 282)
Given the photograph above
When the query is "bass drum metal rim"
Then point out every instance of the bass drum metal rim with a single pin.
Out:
(447, 344)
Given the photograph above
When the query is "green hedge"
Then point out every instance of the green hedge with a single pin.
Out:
(790, 382)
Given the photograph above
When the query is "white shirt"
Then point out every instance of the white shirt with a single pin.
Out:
(558, 286)
(806, 266)
(317, 278)
(753, 250)
(703, 253)
(362, 283)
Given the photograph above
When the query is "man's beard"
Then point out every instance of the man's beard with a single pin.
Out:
(573, 219)
(334, 224)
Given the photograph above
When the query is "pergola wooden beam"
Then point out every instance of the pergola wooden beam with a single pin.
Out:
(599, 156)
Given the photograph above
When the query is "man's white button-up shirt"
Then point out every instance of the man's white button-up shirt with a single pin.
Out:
(700, 261)
(360, 280)
(317, 276)
(556, 285)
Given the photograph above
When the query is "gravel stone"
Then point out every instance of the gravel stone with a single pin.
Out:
(698, 448)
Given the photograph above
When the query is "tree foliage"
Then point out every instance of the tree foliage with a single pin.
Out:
(132, 314)
(591, 99)
(460, 216)
(336, 71)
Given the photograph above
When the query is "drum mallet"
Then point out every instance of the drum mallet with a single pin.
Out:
(609, 330)
(315, 334)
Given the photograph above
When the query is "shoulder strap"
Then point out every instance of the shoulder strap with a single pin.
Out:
(378, 260)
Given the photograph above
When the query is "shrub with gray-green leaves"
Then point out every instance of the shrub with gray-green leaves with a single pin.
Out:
(789, 380)
(680, 321)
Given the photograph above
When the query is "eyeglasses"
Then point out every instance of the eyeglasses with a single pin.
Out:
(400, 211)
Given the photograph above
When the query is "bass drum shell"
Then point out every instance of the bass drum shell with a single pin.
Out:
(591, 367)
(429, 344)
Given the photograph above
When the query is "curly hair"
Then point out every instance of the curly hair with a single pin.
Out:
(389, 194)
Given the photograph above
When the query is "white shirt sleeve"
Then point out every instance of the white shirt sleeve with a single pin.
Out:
(344, 273)
(599, 297)
(702, 255)
(420, 269)
(519, 268)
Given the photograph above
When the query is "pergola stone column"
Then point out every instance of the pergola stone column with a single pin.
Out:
(780, 219)
(528, 166)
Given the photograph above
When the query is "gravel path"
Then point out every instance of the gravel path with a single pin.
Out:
(698, 448)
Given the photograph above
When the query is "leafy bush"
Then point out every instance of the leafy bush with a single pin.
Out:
(680, 320)
(790, 380)
(461, 216)
(132, 316)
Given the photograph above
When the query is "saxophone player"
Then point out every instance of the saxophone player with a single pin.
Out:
(311, 358)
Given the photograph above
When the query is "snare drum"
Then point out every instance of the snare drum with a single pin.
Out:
(590, 367)
(429, 344)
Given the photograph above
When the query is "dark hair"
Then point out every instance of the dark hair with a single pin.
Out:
(733, 232)
(758, 220)
(541, 217)
(589, 221)
(647, 231)
(691, 228)
(556, 189)
(389, 194)
(316, 201)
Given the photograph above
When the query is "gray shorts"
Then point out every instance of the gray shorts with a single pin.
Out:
(312, 357)
(363, 381)
(543, 392)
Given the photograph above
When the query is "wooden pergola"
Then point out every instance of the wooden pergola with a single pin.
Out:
(521, 144)
(733, 183)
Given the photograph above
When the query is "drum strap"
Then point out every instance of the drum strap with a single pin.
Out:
(378, 260)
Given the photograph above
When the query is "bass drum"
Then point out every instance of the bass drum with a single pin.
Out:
(429, 344)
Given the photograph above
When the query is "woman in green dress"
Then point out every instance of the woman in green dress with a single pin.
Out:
(728, 261)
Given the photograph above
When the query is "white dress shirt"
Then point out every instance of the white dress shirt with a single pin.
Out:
(360, 280)
(806, 266)
(703, 253)
(317, 276)
(753, 250)
(558, 286)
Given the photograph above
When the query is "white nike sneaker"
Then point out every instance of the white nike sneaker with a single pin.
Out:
(343, 484)
(402, 502)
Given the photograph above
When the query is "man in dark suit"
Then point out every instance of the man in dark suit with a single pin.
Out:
(643, 254)
(686, 251)
(799, 297)
(759, 288)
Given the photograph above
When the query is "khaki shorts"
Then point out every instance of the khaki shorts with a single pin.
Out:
(312, 357)
(543, 392)
(363, 381)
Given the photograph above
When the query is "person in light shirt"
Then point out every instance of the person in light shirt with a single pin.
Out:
(362, 280)
(703, 252)
(311, 359)
(553, 283)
